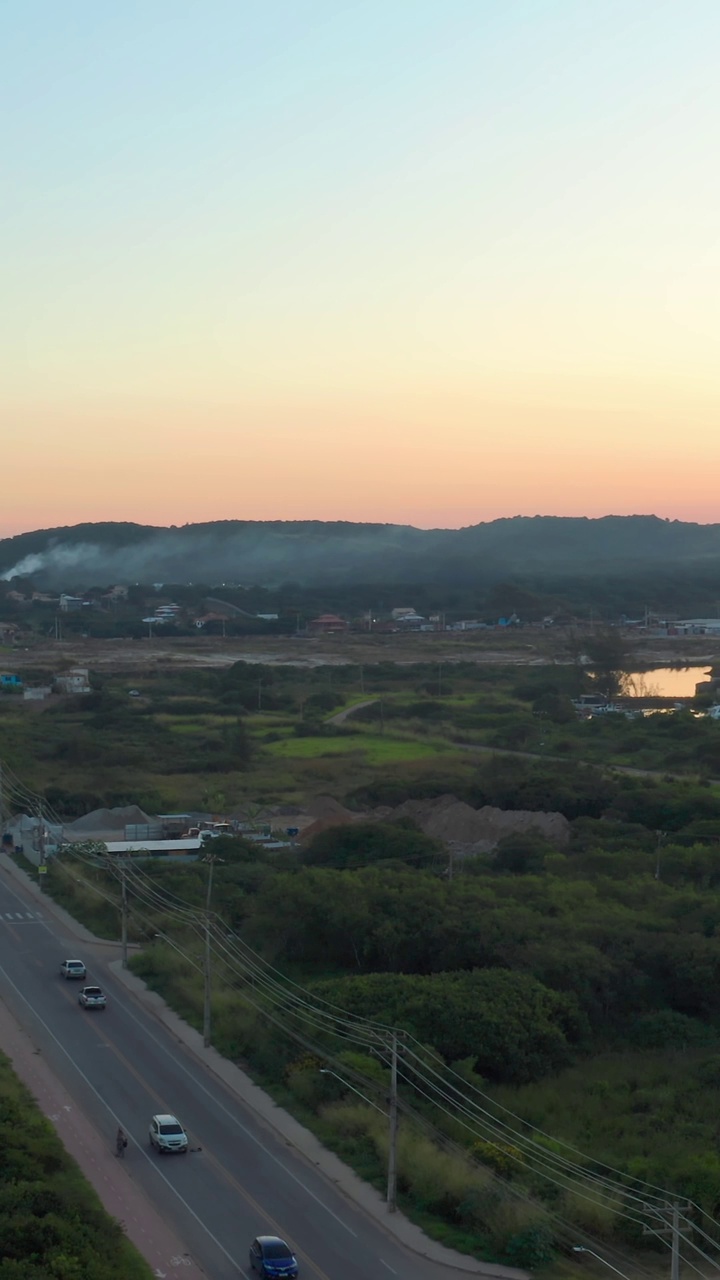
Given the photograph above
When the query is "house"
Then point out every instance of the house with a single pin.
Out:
(328, 624)
(77, 680)
(411, 622)
(404, 612)
(71, 604)
(8, 681)
(37, 693)
(699, 627)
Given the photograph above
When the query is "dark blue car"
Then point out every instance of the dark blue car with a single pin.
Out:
(272, 1258)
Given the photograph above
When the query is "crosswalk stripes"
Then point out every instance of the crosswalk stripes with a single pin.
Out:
(23, 916)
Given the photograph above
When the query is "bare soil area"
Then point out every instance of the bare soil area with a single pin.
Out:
(525, 648)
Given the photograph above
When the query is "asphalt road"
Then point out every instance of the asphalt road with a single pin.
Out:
(238, 1180)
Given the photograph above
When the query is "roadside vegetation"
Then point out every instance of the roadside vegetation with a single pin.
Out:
(577, 985)
(52, 1223)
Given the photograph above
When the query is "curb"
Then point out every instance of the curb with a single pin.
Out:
(363, 1196)
(303, 1141)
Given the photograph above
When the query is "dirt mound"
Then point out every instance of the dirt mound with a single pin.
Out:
(445, 818)
(453, 822)
(323, 824)
(322, 807)
(504, 822)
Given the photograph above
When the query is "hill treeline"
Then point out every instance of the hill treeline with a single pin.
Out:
(313, 552)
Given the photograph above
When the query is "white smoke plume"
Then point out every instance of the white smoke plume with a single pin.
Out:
(56, 560)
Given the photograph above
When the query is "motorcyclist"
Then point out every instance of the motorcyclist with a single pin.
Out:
(120, 1143)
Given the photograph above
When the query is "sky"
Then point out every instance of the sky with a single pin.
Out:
(415, 261)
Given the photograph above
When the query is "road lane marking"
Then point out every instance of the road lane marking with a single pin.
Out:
(225, 1174)
(264, 1214)
(387, 1264)
(198, 1084)
(152, 1163)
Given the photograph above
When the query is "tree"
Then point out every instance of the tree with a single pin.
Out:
(607, 654)
(363, 843)
(516, 1029)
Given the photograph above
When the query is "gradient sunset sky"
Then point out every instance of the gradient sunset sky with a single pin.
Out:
(417, 261)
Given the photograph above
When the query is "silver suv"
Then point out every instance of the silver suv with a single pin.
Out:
(167, 1134)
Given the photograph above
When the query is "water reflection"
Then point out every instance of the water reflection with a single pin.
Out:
(666, 682)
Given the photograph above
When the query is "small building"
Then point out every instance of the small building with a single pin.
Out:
(411, 622)
(71, 604)
(403, 612)
(8, 681)
(699, 627)
(77, 680)
(154, 848)
(328, 624)
(37, 693)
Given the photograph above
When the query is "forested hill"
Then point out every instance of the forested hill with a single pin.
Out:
(311, 552)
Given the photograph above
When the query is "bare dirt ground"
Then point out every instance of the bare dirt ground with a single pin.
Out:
(525, 648)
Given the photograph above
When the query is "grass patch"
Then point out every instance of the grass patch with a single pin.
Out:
(376, 748)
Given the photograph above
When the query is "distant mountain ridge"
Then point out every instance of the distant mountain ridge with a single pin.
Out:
(309, 552)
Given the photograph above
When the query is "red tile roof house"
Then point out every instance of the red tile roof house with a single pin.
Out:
(327, 624)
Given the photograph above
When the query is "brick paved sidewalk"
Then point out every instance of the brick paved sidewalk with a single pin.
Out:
(111, 1178)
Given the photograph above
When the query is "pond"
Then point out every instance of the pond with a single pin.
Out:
(666, 682)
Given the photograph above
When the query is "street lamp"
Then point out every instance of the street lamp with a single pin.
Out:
(392, 1116)
(324, 1071)
(580, 1248)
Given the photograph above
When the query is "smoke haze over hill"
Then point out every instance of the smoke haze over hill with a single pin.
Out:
(271, 553)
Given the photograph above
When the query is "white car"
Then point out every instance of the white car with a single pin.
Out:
(167, 1134)
(73, 969)
(92, 998)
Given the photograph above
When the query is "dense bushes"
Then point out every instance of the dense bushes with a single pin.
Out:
(512, 1027)
(51, 1221)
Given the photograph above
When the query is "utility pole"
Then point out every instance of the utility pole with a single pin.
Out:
(439, 679)
(211, 859)
(392, 1150)
(259, 695)
(675, 1252)
(362, 679)
(42, 869)
(660, 837)
(123, 915)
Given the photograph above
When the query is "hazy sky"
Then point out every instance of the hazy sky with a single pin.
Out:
(425, 261)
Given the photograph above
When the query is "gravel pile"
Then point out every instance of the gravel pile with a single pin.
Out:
(108, 820)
